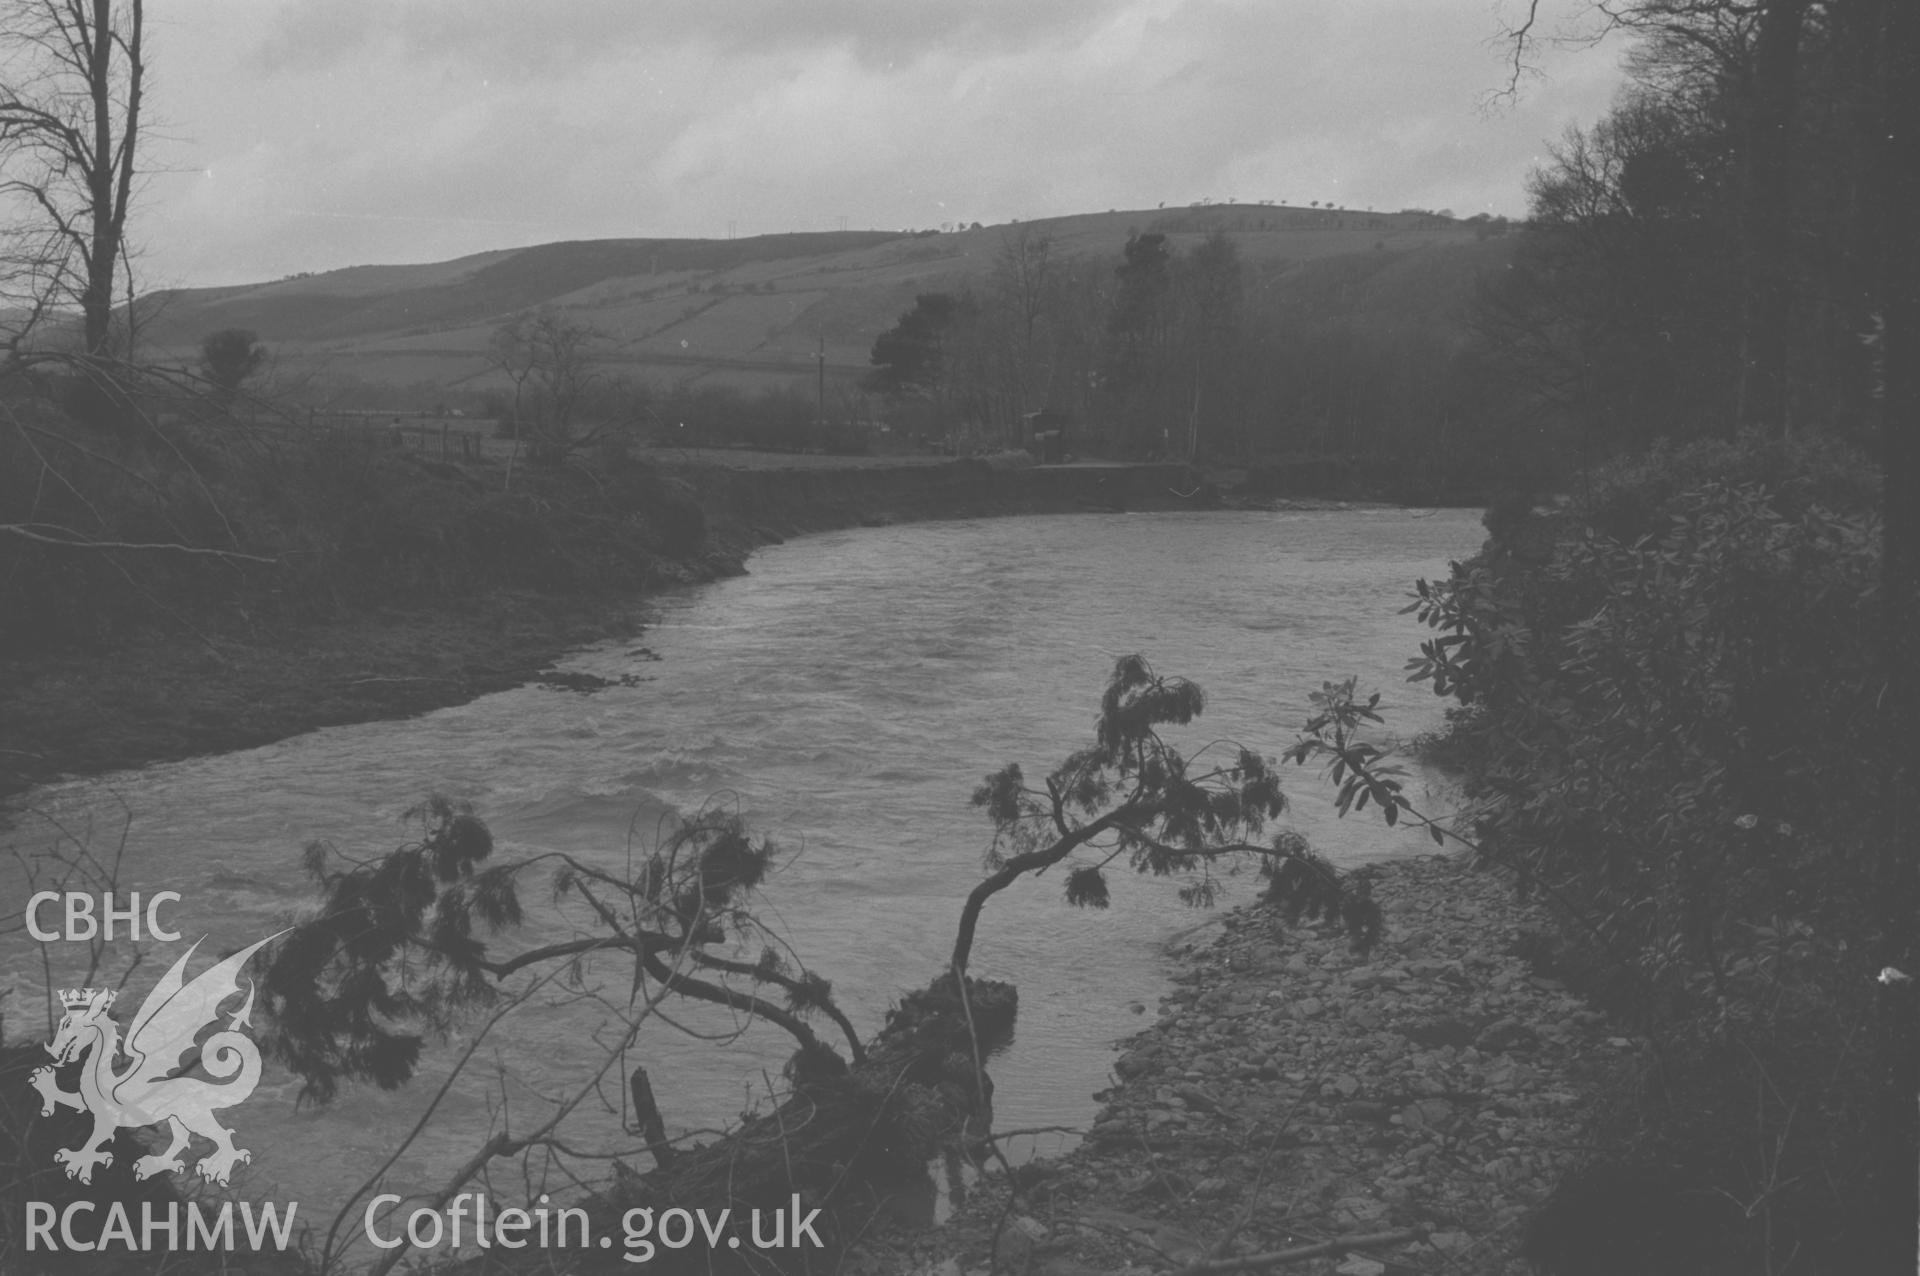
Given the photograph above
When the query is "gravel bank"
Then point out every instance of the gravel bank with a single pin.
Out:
(1292, 1092)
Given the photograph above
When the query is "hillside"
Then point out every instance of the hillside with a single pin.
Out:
(755, 312)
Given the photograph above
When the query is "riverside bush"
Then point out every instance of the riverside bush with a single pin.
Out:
(1671, 716)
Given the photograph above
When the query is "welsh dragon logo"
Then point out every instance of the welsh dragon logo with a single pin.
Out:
(153, 1087)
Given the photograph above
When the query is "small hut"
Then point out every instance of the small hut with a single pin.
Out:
(1044, 434)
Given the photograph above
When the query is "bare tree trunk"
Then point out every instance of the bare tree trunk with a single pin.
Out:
(1768, 302)
(836, 1138)
(1896, 26)
(70, 135)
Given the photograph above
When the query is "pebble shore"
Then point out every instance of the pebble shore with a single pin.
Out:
(1293, 1093)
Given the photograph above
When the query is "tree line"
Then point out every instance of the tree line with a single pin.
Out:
(1714, 253)
(1191, 353)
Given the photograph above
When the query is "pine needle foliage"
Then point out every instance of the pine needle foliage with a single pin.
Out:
(406, 943)
(1134, 798)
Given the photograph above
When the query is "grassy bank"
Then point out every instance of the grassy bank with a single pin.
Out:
(223, 591)
(165, 696)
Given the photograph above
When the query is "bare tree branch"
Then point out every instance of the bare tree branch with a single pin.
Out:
(1520, 38)
(74, 540)
(1338, 1245)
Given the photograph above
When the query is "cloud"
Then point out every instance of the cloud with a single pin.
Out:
(513, 39)
(361, 130)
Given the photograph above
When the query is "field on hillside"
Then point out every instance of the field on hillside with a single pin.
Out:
(754, 313)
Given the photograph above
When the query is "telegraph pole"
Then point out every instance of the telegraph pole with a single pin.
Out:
(821, 384)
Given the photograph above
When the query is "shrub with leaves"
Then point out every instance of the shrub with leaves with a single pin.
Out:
(1674, 722)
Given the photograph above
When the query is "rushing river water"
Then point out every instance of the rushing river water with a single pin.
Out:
(846, 697)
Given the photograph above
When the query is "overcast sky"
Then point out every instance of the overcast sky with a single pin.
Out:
(311, 134)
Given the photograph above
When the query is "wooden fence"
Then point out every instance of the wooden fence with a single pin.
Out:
(450, 439)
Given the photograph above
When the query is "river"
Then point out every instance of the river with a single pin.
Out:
(845, 697)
